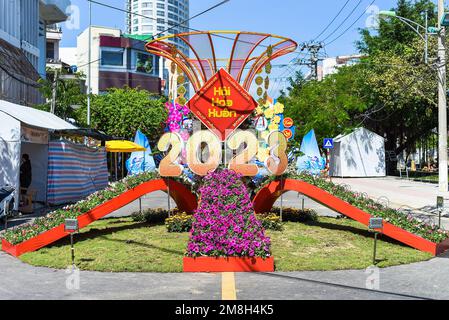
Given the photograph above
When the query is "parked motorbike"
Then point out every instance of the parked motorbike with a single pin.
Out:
(6, 201)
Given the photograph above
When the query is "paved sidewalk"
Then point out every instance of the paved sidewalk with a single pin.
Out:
(415, 197)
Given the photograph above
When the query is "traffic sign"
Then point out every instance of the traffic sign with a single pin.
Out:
(328, 143)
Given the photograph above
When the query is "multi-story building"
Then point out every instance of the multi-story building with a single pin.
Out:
(23, 46)
(158, 18)
(117, 60)
(162, 17)
(54, 37)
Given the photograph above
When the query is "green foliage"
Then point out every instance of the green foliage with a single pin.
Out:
(328, 106)
(391, 91)
(69, 92)
(152, 216)
(121, 112)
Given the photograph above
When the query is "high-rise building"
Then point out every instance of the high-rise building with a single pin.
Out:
(162, 17)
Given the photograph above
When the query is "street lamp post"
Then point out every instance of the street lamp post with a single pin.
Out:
(441, 74)
(442, 105)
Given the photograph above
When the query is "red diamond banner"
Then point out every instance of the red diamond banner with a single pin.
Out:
(222, 104)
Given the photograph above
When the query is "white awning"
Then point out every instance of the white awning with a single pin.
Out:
(34, 117)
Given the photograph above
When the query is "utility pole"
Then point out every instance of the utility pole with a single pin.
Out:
(314, 49)
(442, 104)
(54, 89)
(89, 67)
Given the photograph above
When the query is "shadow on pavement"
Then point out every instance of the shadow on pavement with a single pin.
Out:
(342, 286)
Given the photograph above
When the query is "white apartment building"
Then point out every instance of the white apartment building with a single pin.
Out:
(160, 16)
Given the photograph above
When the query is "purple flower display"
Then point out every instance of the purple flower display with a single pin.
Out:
(225, 223)
(176, 113)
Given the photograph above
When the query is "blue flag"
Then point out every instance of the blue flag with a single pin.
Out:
(141, 161)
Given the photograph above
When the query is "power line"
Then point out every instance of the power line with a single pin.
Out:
(330, 23)
(352, 24)
(188, 28)
(346, 19)
(195, 16)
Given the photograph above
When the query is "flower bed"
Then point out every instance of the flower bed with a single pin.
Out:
(179, 222)
(225, 225)
(425, 230)
(54, 219)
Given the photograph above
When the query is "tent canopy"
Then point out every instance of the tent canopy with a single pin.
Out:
(34, 117)
(123, 146)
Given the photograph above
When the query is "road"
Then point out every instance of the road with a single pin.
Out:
(424, 280)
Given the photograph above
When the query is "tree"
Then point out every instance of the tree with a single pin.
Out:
(69, 92)
(328, 106)
(391, 91)
(121, 112)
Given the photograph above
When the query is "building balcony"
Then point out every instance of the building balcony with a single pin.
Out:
(54, 11)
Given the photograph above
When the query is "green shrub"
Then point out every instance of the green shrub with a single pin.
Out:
(296, 215)
(151, 215)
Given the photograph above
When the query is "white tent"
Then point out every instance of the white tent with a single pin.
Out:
(360, 153)
(26, 130)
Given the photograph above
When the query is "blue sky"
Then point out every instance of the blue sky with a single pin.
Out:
(301, 20)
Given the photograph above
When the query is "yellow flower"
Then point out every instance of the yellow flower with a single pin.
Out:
(259, 110)
(263, 154)
(273, 126)
(276, 119)
(278, 108)
(269, 113)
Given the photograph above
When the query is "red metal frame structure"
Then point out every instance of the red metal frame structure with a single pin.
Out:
(266, 197)
(184, 199)
(249, 51)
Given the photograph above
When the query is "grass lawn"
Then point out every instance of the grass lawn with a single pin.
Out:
(124, 245)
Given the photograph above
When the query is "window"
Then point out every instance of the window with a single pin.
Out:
(146, 4)
(135, 29)
(136, 21)
(50, 50)
(172, 9)
(160, 28)
(161, 6)
(161, 14)
(160, 21)
(147, 12)
(144, 62)
(111, 58)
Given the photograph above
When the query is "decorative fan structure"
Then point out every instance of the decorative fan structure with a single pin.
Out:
(249, 53)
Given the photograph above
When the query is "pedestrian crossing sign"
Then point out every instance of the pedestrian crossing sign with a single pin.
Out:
(328, 143)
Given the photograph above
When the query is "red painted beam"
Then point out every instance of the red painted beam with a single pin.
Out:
(184, 199)
(267, 196)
